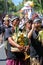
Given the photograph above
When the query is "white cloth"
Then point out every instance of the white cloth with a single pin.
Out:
(21, 25)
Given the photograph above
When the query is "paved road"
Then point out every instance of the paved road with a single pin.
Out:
(2, 56)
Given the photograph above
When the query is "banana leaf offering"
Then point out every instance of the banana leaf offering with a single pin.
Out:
(22, 40)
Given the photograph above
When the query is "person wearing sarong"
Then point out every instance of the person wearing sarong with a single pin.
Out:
(15, 55)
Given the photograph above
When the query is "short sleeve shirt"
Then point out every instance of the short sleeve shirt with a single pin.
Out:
(12, 55)
(35, 46)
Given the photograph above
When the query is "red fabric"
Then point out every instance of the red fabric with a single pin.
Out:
(14, 62)
(34, 16)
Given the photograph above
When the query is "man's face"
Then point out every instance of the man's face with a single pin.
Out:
(6, 22)
(37, 25)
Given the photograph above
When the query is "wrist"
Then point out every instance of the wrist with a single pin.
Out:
(32, 29)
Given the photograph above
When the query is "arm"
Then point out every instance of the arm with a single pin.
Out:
(14, 44)
(31, 31)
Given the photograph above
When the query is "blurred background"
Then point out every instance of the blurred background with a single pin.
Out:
(13, 7)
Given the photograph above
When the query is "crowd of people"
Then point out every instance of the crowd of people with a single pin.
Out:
(23, 39)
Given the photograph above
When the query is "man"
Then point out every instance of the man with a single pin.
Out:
(5, 27)
(35, 46)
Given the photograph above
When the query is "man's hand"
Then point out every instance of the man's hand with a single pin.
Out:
(21, 48)
(33, 26)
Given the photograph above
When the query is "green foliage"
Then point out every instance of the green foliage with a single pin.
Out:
(7, 5)
(11, 7)
(16, 14)
(2, 8)
(19, 6)
(38, 5)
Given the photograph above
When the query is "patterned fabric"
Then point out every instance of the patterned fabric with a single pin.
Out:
(34, 61)
(14, 62)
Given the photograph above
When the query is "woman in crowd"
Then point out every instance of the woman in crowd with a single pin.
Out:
(28, 26)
